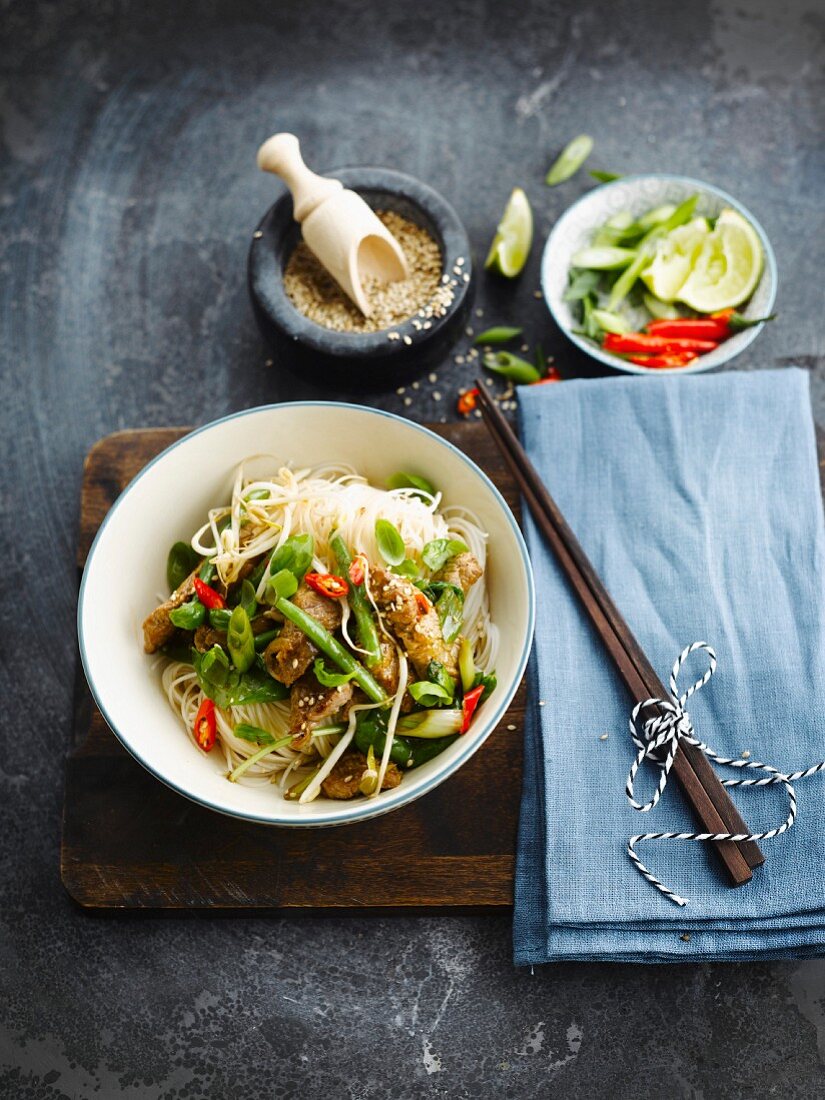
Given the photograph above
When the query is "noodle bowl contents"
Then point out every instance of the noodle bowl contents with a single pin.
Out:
(326, 635)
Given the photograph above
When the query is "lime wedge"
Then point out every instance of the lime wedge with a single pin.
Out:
(674, 259)
(514, 235)
(727, 268)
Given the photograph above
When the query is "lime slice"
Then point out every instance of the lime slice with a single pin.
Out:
(674, 259)
(514, 235)
(727, 268)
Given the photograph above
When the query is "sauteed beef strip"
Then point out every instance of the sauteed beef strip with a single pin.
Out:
(311, 705)
(413, 620)
(345, 777)
(157, 627)
(291, 653)
(463, 571)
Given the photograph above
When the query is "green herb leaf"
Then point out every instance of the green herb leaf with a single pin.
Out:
(255, 734)
(489, 680)
(240, 640)
(182, 560)
(439, 551)
(407, 568)
(390, 543)
(437, 674)
(295, 555)
(570, 160)
(411, 481)
(604, 177)
(219, 618)
(429, 695)
(330, 679)
(189, 616)
(499, 334)
(450, 608)
(229, 688)
(511, 366)
(284, 583)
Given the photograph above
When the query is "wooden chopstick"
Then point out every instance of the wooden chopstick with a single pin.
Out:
(707, 796)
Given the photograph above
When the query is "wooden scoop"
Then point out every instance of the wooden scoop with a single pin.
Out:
(338, 226)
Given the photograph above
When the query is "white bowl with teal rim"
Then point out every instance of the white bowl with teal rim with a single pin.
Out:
(126, 569)
(638, 194)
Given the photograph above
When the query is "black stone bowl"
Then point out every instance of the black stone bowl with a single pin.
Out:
(359, 360)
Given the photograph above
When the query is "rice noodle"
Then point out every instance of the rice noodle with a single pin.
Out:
(320, 501)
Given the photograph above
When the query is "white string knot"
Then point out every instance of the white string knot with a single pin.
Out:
(657, 740)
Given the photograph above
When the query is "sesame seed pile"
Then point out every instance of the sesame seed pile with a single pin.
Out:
(425, 295)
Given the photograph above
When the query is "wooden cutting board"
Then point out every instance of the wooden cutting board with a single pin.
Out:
(129, 842)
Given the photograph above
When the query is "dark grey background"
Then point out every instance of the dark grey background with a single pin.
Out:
(129, 192)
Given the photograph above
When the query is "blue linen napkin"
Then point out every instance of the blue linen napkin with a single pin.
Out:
(698, 503)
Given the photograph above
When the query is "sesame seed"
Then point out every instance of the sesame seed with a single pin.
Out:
(604, 736)
(436, 395)
(408, 339)
(432, 376)
(400, 390)
(415, 385)
(459, 359)
(537, 294)
(745, 754)
(468, 331)
(257, 235)
(408, 401)
(542, 703)
(511, 726)
(460, 261)
(479, 313)
(268, 363)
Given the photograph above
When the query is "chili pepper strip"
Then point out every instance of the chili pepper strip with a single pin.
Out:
(643, 343)
(468, 707)
(327, 584)
(208, 596)
(205, 725)
(663, 360)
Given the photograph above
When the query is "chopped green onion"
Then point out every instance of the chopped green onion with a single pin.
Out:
(511, 366)
(466, 664)
(570, 160)
(499, 334)
(604, 177)
(604, 258)
(610, 322)
(431, 723)
(662, 311)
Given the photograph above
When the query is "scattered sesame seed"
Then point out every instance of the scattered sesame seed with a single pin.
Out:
(460, 261)
(537, 294)
(512, 726)
(542, 702)
(268, 363)
(408, 339)
(432, 376)
(477, 413)
(408, 401)
(257, 235)
(436, 395)
(468, 331)
(479, 313)
(524, 347)
(745, 754)
(466, 276)
(604, 736)
(415, 385)
(400, 390)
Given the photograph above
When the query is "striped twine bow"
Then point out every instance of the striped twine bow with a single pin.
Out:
(664, 731)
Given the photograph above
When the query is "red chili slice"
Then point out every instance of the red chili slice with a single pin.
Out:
(468, 707)
(357, 569)
(206, 725)
(467, 402)
(208, 596)
(327, 584)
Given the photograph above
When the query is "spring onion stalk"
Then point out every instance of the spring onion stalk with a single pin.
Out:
(297, 789)
(431, 723)
(332, 648)
(466, 664)
(570, 160)
(235, 775)
(610, 322)
(605, 258)
(364, 621)
(647, 246)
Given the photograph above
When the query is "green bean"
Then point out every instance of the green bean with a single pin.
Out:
(361, 609)
(331, 648)
(262, 640)
(240, 640)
